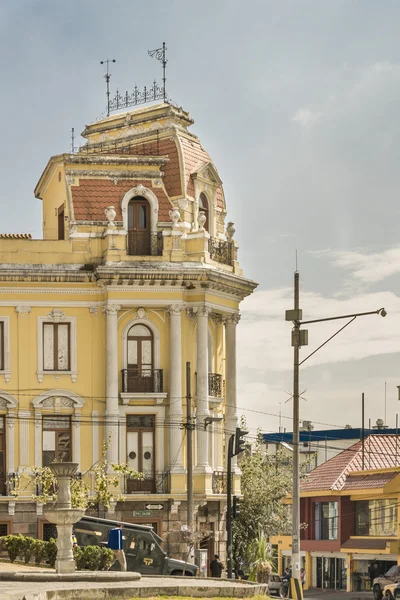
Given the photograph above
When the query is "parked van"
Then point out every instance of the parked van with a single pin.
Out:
(142, 547)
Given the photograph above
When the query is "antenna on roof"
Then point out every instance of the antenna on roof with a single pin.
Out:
(160, 54)
(107, 77)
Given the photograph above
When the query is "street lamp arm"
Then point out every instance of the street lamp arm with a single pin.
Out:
(329, 339)
(380, 311)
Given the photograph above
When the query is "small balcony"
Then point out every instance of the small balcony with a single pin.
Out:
(145, 243)
(215, 385)
(145, 381)
(157, 483)
(219, 482)
(220, 251)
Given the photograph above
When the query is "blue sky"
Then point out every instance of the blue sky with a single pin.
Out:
(297, 103)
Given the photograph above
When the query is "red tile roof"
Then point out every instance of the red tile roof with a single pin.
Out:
(366, 544)
(92, 196)
(376, 480)
(380, 452)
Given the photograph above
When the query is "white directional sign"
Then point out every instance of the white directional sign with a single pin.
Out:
(154, 506)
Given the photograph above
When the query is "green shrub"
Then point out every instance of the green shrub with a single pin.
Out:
(51, 552)
(107, 558)
(78, 557)
(14, 545)
(28, 549)
(39, 551)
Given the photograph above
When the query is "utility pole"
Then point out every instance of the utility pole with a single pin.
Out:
(189, 450)
(300, 339)
(296, 436)
(229, 508)
(362, 432)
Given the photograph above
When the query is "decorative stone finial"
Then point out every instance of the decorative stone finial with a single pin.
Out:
(174, 215)
(201, 219)
(110, 214)
(230, 231)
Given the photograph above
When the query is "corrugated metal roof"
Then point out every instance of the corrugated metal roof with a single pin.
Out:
(380, 452)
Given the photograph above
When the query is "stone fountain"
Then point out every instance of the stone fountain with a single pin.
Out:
(64, 516)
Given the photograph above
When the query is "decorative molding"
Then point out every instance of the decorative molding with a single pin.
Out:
(39, 509)
(57, 316)
(111, 309)
(204, 311)
(11, 508)
(97, 159)
(94, 310)
(62, 398)
(23, 310)
(175, 504)
(191, 312)
(69, 179)
(232, 319)
(111, 174)
(175, 309)
(150, 196)
(156, 338)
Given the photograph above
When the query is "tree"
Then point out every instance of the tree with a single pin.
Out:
(106, 483)
(266, 481)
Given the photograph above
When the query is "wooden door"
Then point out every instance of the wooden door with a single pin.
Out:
(139, 227)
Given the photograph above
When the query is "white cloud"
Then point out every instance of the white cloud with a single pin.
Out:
(306, 116)
(366, 266)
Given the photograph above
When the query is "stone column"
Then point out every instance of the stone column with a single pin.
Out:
(112, 411)
(230, 373)
(76, 445)
(24, 417)
(231, 419)
(202, 389)
(175, 415)
(10, 438)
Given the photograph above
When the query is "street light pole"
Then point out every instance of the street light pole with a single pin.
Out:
(299, 339)
(296, 435)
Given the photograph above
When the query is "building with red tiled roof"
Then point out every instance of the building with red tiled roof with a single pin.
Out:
(349, 509)
(137, 275)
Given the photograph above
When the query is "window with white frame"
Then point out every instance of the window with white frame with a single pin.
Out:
(56, 346)
(56, 439)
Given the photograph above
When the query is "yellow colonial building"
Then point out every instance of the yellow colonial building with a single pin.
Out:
(137, 273)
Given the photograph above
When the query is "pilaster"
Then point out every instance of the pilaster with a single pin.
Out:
(175, 414)
(24, 417)
(112, 412)
(202, 389)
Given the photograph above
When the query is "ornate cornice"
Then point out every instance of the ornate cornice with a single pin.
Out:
(109, 159)
(92, 173)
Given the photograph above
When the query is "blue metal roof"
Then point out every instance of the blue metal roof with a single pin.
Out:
(325, 435)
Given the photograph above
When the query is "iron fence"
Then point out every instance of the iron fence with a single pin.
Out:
(151, 483)
(142, 380)
(215, 385)
(221, 251)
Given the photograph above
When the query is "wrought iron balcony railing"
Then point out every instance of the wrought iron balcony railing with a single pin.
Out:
(152, 483)
(145, 243)
(219, 482)
(221, 251)
(142, 380)
(215, 385)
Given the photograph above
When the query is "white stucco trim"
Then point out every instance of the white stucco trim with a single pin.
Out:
(159, 412)
(10, 404)
(74, 403)
(156, 340)
(144, 192)
(6, 331)
(53, 318)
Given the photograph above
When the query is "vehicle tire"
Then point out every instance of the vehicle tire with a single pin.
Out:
(177, 573)
(188, 574)
(388, 595)
(377, 592)
(396, 594)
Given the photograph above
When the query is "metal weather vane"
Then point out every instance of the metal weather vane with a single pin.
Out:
(107, 77)
(139, 96)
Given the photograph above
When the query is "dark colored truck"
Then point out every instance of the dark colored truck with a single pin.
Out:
(142, 547)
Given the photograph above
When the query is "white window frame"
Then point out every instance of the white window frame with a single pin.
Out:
(6, 332)
(57, 316)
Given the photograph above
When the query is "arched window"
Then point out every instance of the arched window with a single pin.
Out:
(140, 376)
(139, 229)
(203, 205)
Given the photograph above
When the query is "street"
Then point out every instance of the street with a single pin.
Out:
(318, 594)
